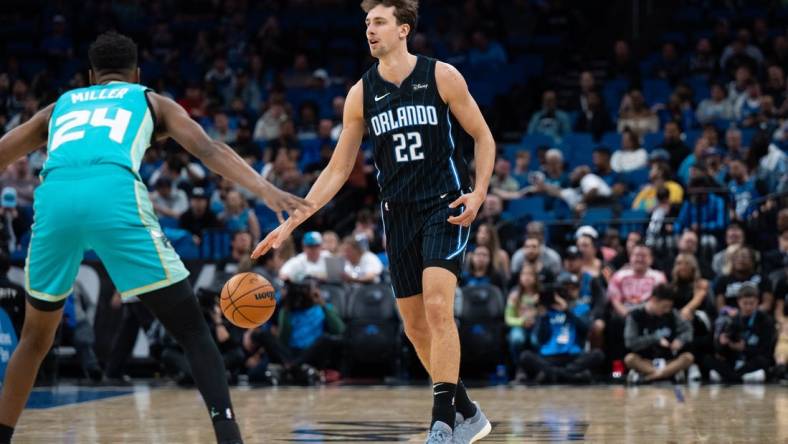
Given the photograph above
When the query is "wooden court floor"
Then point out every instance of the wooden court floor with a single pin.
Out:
(610, 414)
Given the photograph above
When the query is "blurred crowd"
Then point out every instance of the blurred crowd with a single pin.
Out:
(635, 221)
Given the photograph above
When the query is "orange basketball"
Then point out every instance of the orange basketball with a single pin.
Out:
(248, 300)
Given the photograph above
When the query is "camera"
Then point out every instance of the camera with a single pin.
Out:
(733, 330)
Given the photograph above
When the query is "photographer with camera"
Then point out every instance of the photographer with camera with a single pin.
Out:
(657, 337)
(742, 342)
(308, 333)
(559, 337)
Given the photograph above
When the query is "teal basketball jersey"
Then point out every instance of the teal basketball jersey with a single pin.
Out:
(101, 124)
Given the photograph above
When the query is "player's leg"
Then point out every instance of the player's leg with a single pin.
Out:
(141, 262)
(414, 321)
(52, 265)
(37, 336)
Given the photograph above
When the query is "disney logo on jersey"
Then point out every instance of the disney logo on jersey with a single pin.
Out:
(404, 116)
(418, 86)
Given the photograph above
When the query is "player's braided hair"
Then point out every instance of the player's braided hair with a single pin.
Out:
(112, 52)
(405, 11)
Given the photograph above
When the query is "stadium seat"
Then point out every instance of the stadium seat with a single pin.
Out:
(635, 179)
(479, 311)
(526, 207)
(533, 141)
(652, 141)
(656, 91)
(612, 140)
(577, 148)
(373, 332)
(215, 244)
(632, 220)
(597, 217)
(266, 217)
(336, 295)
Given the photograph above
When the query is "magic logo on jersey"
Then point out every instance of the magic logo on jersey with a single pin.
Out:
(404, 116)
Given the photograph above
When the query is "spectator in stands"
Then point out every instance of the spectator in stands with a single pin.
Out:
(622, 65)
(743, 341)
(634, 238)
(636, 116)
(775, 85)
(590, 289)
(738, 86)
(748, 105)
(550, 120)
(480, 270)
(502, 183)
(743, 271)
(741, 53)
(702, 61)
(671, 142)
(669, 66)
(487, 235)
(777, 259)
(331, 243)
(238, 260)
(631, 156)
(198, 217)
(659, 177)
(703, 212)
(13, 223)
(522, 164)
(21, 178)
(220, 76)
(238, 217)
(590, 257)
(768, 163)
(742, 188)
(588, 85)
(554, 168)
(309, 264)
(657, 337)
(684, 169)
(593, 118)
(169, 201)
(220, 129)
(733, 143)
(484, 52)
(366, 230)
(361, 266)
(734, 240)
(520, 312)
(633, 285)
(600, 158)
(269, 125)
(547, 256)
(310, 331)
(12, 296)
(715, 108)
(559, 337)
(532, 254)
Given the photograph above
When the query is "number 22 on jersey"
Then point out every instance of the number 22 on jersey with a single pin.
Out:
(407, 147)
(70, 126)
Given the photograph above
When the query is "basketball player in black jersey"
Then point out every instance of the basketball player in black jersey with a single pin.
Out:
(405, 102)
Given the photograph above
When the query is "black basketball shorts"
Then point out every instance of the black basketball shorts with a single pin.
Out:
(418, 236)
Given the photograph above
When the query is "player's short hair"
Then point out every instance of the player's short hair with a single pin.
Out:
(112, 52)
(405, 11)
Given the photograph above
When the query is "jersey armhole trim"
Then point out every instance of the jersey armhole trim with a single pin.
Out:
(153, 115)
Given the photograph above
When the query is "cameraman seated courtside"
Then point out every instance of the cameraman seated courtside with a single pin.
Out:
(307, 337)
(657, 338)
(743, 340)
(559, 337)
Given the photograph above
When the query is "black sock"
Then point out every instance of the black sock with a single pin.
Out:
(5, 434)
(465, 406)
(177, 310)
(443, 403)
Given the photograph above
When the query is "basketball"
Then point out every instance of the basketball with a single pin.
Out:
(248, 300)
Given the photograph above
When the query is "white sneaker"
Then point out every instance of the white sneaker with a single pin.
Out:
(714, 376)
(756, 377)
(693, 373)
(633, 377)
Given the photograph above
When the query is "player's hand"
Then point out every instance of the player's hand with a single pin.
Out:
(472, 202)
(275, 238)
(280, 201)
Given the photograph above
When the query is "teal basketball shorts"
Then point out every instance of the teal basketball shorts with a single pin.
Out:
(104, 208)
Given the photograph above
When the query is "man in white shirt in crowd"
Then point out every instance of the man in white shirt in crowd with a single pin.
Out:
(362, 267)
(309, 264)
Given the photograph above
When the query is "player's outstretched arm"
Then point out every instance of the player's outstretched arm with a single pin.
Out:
(25, 138)
(454, 91)
(333, 177)
(175, 122)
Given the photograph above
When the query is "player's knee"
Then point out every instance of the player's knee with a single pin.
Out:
(37, 341)
(439, 313)
(630, 359)
(416, 329)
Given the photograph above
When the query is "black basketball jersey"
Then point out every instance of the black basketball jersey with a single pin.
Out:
(411, 132)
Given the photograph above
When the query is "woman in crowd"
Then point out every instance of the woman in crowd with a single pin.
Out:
(520, 312)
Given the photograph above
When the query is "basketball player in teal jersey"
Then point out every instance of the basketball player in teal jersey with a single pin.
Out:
(406, 102)
(92, 197)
